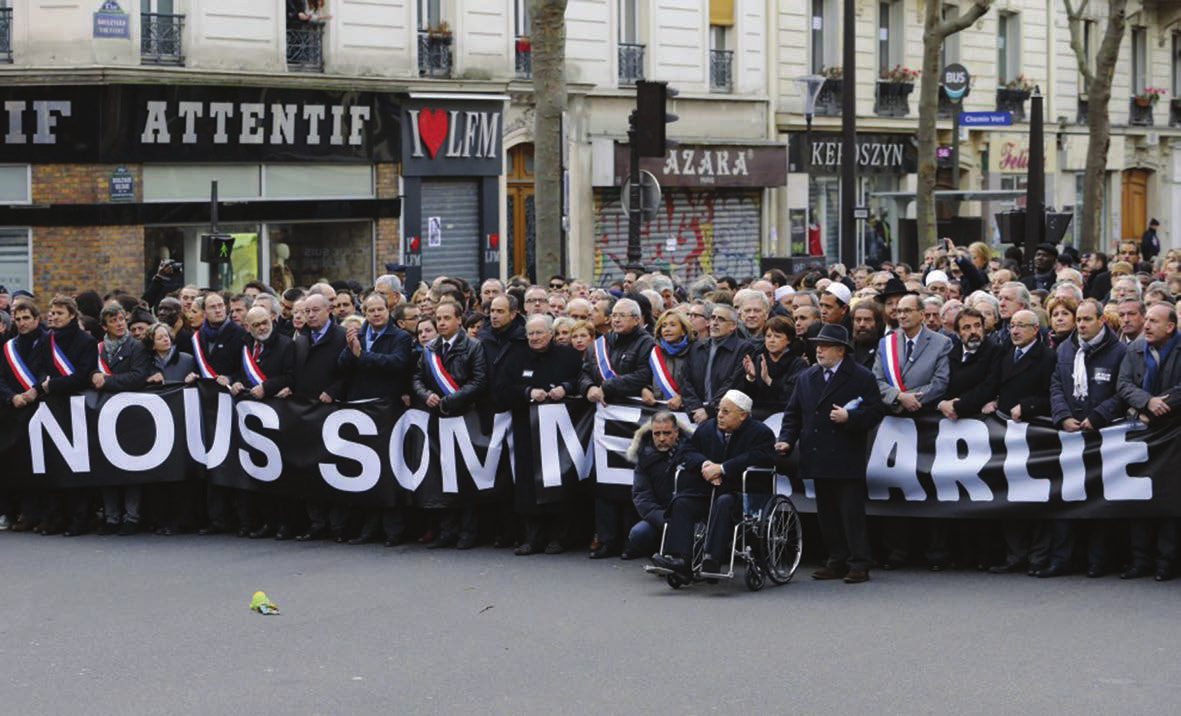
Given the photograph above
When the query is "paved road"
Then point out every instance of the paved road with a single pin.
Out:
(109, 625)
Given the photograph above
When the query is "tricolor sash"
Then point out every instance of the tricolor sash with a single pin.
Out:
(602, 359)
(442, 378)
(199, 355)
(891, 355)
(24, 376)
(60, 361)
(102, 361)
(250, 366)
(664, 377)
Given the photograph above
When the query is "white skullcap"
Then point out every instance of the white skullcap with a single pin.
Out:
(936, 276)
(783, 291)
(841, 291)
(740, 399)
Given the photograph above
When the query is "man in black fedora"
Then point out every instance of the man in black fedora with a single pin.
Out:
(1150, 242)
(835, 404)
(889, 297)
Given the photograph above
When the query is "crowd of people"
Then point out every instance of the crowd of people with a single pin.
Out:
(1080, 341)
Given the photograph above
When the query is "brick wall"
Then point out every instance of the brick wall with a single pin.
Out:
(388, 246)
(79, 183)
(74, 259)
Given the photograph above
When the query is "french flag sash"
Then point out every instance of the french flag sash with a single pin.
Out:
(250, 366)
(602, 359)
(60, 361)
(24, 376)
(892, 359)
(202, 363)
(102, 360)
(442, 378)
(663, 375)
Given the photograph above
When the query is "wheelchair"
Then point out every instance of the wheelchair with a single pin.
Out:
(768, 537)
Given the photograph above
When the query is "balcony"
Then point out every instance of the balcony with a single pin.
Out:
(305, 47)
(721, 71)
(631, 63)
(1012, 100)
(524, 63)
(1175, 113)
(434, 53)
(828, 102)
(1140, 113)
(6, 34)
(892, 99)
(160, 39)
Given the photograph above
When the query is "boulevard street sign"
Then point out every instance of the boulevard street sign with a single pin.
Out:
(986, 119)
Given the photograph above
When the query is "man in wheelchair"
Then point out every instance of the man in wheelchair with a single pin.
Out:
(720, 450)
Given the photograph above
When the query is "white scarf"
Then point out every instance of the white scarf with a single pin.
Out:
(1080, 366)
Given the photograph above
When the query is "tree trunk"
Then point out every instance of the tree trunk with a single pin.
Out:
(549, 94)
(1099, 123)
(935, 32)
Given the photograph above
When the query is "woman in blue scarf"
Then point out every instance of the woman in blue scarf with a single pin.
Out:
(674, 335)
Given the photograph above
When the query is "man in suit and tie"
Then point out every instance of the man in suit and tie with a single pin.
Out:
(720, 450)
(834, 406)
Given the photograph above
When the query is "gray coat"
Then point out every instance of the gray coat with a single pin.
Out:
(926, 372)
(1131, 376)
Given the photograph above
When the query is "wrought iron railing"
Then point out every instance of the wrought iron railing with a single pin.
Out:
(892, 98)
(160, 39)
(631, 63)
(434, 54)
(1013, 101)
(830, 98)
(305, 47)
(5, 34)
(1140, 114)
(721, 70)
(524, 64)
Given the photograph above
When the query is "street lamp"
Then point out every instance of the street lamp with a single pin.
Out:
(810, 86)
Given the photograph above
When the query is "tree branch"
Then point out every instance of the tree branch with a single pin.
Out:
(955, 24)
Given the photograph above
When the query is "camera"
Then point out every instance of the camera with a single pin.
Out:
(170, 266)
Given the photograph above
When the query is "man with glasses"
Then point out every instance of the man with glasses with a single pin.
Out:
(699, 312)
(536, 301)
(557, 283)
(714, 365)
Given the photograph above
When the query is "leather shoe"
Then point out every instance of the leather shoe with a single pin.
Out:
(603, 552)
(893, 563)
(364, 538)
(939, 566)
(212, 529)
(555, 547)
(263, 532)
(23, 524)
(1164, 575)
(1095, 571)
(1007, 568)
(395, 541)
(128, 529)
(442, 541)
(1054, 570)
(108, 528)
(1135, 572)
(856, 576)
(826, 573)
(673, 564)
(710, 564)
(283, 533)
(313, 534)
(524, 550)
(466, 542)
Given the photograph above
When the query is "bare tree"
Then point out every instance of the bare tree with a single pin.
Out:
(936, 30)
(549, 93)
(1098, 87)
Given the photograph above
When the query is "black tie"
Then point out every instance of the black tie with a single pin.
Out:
(1017, 355)
(446, 348)
(827, 375)
(909, 347)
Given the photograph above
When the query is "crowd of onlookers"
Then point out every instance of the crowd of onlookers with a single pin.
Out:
(1078, 340)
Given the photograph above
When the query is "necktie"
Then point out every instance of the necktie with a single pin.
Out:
(709, 369)
(909, 347)
(316, 337)
(1017, 355)
(827, 375)
(967, 355)
(446, 349)
(257, 350)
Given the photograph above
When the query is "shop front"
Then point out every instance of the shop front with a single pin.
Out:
(119, 178)
(453, 156)
(710, 218)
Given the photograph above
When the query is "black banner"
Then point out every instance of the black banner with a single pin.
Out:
(375, 453)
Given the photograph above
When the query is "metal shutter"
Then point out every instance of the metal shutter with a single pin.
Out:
(457, 204)
(14, 259)
(715, 232)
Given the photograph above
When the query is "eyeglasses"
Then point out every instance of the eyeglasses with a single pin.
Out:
(557, 285)
(1023, 325)
(623, 315)
(694, 314)
(720, 319)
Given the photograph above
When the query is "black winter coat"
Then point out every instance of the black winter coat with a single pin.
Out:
(276, 361)
(653, 481)
(727, 372)
(751, 445)
(175, 367)
(465, 363)
(972, 382)
(784, 374)
(525, 369)
(79, 348)
(629, 359)
(224, 352)
(27, 347)
(316, 369)
(382, 371)
(130, 366)
(1026, 383)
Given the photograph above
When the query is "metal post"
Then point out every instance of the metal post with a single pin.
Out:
(213, 207)
(634, 255)
(807, 168)
(848, 247)
(1035, 191)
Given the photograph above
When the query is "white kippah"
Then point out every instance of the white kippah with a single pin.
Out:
(783, 291)
(936, 276)
(742, 400)
(841, 291)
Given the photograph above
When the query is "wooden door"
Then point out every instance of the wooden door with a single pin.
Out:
(1135, 204)
(520, 211)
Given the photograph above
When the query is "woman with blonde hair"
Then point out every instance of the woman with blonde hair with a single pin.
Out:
(674, 335)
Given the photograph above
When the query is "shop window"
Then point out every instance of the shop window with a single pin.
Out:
(183, 243)
(319, 181)
(14, 184)
(309, 252)
(191, 182)
(16, 267)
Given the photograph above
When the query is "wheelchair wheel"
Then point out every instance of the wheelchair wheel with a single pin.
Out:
(754, 577)
(783, 539)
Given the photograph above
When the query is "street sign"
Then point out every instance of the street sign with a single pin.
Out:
(955, 81)
(649, 195)
(861, 212)
(986, 119)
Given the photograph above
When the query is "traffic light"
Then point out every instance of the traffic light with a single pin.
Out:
(652, 116)
(216, 248)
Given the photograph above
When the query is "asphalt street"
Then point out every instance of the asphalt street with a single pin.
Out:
(108, 625)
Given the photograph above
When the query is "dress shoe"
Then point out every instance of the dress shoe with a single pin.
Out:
(465, 542)
(1164, 575)
(167, 531)
(364, 538)
(554, 547)
(313, 534)
(856, 576)
(283, 533)
(825, 573)
(940, 566)
(212, 528)
(525, 550)
(427, 537)
(442, 542)
(673, 564)
(24, 524)
(339, 538)
(41, 526)
(1095, 571)
(627, 555)
(893, 563)
(57, 528)
(108, 528)
(395, 541)
(1054, 570)
(710, 564)
(128, 529)
(603, 552)
(263, 532)
(1007, 568)
(1135, 572)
